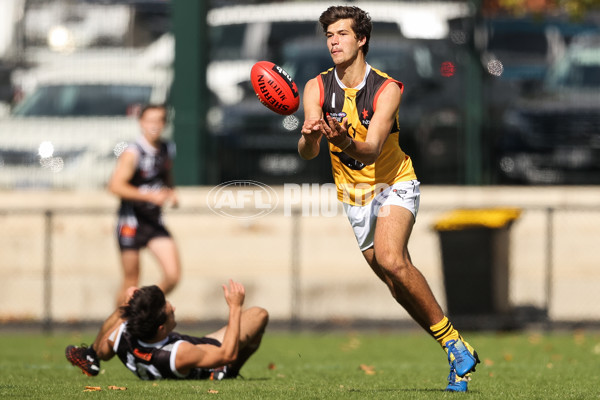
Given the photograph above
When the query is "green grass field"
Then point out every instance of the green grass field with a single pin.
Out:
(352, 365)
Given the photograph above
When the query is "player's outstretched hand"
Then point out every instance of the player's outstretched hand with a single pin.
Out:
(336, 133)
(234, 294)
(311, 126)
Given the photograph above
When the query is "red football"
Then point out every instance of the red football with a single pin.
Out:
(275, 88)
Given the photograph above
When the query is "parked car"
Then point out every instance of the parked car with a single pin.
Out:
(73, 122)
(553, 137)
(69, 25)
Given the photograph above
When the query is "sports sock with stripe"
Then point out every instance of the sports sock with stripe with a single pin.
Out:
(443, 331)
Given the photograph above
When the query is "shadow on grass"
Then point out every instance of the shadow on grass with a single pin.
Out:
(254, 379)
(427, 390)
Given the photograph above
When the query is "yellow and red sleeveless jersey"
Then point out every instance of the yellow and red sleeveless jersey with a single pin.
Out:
(356, 182)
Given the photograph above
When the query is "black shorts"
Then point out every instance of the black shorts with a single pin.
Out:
(134, 232)
(197, 340)
(197, 373)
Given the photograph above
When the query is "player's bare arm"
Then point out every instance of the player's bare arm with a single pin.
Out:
(309, 144)
(104, 341)
(120, 186)
(368, 151)
(206, 356)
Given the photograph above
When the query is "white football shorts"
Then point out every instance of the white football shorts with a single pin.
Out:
(364, 218)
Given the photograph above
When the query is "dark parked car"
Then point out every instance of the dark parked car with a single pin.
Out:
(553, 137)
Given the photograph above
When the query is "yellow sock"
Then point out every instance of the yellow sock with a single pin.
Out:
(443, 331)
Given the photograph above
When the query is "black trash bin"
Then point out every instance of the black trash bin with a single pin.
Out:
(475, 257)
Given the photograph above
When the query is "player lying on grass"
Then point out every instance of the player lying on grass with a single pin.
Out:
(140, 333)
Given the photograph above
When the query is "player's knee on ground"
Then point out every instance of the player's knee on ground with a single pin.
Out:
(256, 319)
(259, 315)
(263, 315)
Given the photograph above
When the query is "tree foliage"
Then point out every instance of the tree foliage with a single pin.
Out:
(574, 8)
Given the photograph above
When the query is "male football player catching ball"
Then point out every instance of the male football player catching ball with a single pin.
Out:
(355, 107)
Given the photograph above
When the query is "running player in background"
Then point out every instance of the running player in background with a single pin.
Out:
(143, 181)
(355, 107)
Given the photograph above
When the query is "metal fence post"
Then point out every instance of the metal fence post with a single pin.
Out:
(549, 258)
(295, 271)
(47, 306)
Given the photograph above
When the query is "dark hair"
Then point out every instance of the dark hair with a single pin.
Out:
(152, 107)
(361, 21)
(145, 312)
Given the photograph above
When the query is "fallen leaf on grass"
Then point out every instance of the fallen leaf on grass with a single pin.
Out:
(488, 362)
(535, 338)
(369, 369)
(352, 344)
(213, 391)
(112, 387)
(579, 337)
(92, 389)
(272, 366)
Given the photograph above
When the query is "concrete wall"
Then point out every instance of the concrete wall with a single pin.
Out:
(304, 267)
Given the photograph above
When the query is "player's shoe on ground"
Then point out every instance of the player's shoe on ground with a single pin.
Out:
(85, 358)
(456, 383)
(461, 356)
(218, 374)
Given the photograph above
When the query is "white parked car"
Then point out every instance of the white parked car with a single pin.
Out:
(72, 123)
(65, 26)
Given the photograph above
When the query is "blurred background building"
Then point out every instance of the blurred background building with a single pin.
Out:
(501, 97)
